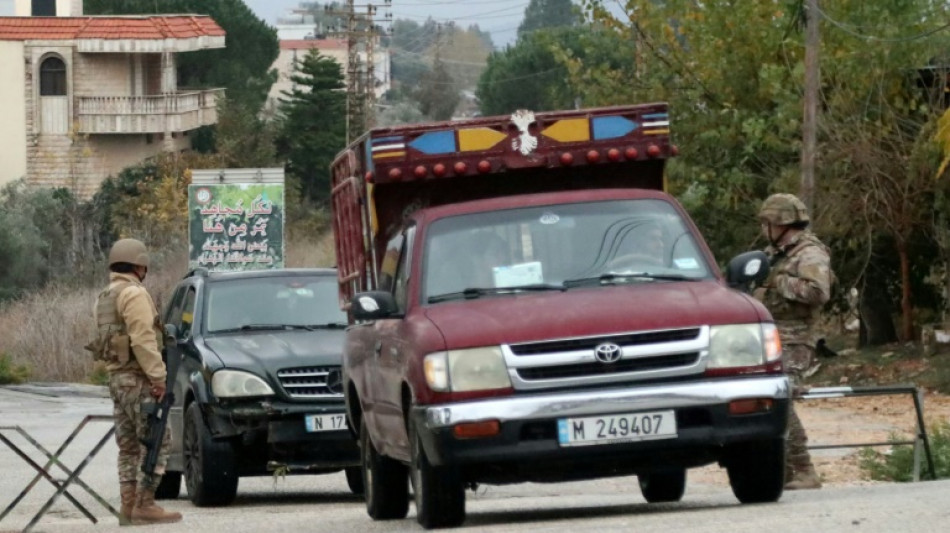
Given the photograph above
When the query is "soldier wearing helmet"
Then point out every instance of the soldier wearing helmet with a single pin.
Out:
(799, 283)
(129, 343)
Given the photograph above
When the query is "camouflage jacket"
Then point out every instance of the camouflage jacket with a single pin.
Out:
(138, 312)
(799, 283)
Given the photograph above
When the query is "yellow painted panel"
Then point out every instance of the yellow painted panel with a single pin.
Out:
(655, 132)
(388, 154)
(473, 139)
(569, 130)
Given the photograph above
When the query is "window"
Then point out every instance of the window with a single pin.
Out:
(402, 272)
(43, 8)
(53, 77)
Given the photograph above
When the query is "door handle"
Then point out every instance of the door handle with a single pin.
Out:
(378, 348)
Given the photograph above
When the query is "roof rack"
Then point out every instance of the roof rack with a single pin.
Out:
(200, 272)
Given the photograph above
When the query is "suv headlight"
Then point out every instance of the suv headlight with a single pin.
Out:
(467, 370)
(742, 345)
(237, 384)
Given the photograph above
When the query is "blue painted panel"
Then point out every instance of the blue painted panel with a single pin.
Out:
(612, 127)
(435, 142)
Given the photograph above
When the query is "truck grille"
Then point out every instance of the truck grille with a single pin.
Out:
(594, 369)
(312, 382)
(602, 360)
(589, 343)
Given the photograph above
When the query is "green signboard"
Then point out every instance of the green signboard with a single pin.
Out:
(236, 226)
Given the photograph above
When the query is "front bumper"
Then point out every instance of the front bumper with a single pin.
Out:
(527, 445)
(272, 432)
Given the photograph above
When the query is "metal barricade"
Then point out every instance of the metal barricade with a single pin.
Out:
(920, 440)
(53, 458)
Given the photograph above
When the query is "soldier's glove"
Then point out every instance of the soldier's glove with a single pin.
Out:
(157, 391)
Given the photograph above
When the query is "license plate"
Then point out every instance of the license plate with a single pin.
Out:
(325, 422)
(616, 428)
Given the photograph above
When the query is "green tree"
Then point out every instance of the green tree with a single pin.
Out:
(243, 67)
(541, 14)
(535, 72)
(438, 94)
(313, 126)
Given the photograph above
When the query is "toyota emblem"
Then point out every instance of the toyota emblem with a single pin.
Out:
(607, 353)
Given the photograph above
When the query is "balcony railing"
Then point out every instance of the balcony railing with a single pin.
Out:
(175, 112)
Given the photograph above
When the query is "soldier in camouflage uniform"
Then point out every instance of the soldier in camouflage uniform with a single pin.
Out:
(129, 342)
(799, 283)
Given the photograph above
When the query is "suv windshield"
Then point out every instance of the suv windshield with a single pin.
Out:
(618, 241)
(273, 303)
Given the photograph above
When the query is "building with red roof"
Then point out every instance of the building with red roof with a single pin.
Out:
(88, 96)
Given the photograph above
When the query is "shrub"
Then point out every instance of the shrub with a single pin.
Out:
(11, 372)
(897, 464)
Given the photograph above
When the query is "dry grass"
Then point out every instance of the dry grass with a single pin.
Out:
(46, 331)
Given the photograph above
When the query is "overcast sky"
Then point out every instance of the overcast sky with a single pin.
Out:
(499, 17)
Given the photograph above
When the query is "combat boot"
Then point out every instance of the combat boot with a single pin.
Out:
(146, 512)
(804, 479)
(127, 494)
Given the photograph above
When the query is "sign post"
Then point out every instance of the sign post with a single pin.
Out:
(236, 219)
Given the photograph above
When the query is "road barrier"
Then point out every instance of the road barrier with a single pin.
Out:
(920, 442)
(53, 458)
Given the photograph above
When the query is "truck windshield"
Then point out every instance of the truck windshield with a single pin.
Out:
(273, 303)
(618, 241)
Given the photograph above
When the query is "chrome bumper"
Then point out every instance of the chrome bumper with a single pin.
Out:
(538, 406)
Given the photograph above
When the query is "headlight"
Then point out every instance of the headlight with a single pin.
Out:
(467, 370)
(743, 345)
(236, 384)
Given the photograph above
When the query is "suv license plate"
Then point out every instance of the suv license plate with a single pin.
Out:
(616, 428)
(325, 422)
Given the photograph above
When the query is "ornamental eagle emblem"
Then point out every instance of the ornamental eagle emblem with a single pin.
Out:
(525, 142)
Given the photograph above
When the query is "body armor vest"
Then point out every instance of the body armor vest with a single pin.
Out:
(112, 344)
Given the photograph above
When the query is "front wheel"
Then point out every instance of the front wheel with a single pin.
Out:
(663, 486)
(438, 490)
(210, 465)
(757, 471)
(385, 482)
(354, 480)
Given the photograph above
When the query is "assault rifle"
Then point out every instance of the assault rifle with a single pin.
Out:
(157, 412)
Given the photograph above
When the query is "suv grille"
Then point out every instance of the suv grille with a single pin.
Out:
(630, 339)
(596, 369)
(312, 382)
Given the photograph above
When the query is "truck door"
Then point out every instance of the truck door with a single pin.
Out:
(392, 348)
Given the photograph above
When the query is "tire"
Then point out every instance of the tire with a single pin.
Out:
(210, 465)
(169, 487)
(663, 485)
(438, 490)
(354, 479)
(757, 471)
(385, 482)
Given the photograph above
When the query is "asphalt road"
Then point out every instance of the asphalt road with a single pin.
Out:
(323, 503)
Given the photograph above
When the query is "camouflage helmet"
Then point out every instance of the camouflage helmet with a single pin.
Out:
(130, 251)
(783, 210)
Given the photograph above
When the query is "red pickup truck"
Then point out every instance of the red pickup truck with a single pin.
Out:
(527, 304)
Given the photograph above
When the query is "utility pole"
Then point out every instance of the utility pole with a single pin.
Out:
(810, 120)
(360, 33)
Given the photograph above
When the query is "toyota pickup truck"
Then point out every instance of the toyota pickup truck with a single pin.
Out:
(526, 303)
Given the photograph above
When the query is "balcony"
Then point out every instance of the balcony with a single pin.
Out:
(175, 112)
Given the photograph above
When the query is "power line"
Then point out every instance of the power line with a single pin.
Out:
(844, 27)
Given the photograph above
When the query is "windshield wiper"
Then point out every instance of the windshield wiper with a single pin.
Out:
(612, 277)
(264, 327)
(476, 292)
(327, 325)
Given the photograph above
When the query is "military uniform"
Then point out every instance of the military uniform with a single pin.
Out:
(129, 343)
(799, 283)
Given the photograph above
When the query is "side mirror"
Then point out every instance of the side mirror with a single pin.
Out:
(373, 305)
(746, 268)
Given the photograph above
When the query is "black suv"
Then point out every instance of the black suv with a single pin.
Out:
(258, 391)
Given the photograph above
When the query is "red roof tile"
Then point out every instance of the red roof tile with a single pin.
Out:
(145, 27)
(307, 44)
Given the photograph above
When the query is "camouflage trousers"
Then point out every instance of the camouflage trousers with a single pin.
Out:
(129, 390)
(797, 358)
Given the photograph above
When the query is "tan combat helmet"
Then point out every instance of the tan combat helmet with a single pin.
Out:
(130, 251)
(783, 210)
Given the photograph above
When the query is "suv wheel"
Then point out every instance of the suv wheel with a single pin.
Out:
(169, 487)
(438, 490)
(210, 465)
(385, 481)
(757, 471)
(663, 485)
